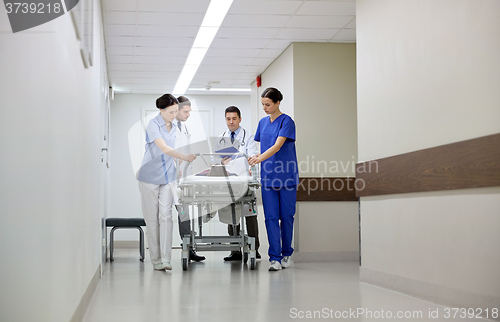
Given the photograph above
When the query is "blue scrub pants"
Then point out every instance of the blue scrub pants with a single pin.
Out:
(279, 209)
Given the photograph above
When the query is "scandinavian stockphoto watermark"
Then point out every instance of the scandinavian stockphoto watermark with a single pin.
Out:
(28, 14)
(328, 171)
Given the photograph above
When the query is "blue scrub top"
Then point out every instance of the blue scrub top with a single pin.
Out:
(157, 167)
(280, 170)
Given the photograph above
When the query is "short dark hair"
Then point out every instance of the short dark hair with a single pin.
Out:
(273, 94)
(165, 101)
(183, 101)
(233, 109)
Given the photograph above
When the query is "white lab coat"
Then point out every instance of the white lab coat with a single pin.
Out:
(182, 138)
(245, 143)
(182, 144)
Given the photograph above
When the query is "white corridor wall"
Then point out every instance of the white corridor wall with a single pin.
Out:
(50, 177)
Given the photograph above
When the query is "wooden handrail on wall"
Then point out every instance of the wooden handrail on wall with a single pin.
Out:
(472, 163)
(326, 189)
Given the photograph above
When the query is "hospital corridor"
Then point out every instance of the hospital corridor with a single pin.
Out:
(249, 160)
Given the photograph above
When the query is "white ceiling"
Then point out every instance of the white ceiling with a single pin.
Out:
(147, 41)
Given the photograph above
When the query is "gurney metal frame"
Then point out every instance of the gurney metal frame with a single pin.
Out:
(204, 198)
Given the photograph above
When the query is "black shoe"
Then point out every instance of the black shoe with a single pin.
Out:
(258, 255)
(233, 257)
(195, 257)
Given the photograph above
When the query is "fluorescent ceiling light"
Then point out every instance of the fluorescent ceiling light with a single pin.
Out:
(187, 74)
(220, 89)
(216, 13)
(214, 16)
(205, 36)
(196, 56)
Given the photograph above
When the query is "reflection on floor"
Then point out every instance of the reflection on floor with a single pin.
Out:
(215, 290)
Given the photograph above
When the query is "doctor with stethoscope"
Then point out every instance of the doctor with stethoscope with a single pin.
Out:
(239, 138)
(242, 140)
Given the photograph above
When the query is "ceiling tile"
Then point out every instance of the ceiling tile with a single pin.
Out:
(210, 68)
(152, 91)
(123, 67)
(171, 60)
(123, 80)
(120, 5)
(227, 60)
(239, 43)
(266, 7)
(120, 30)
(352, 25)
(255, 69)
(244, 82)
(247, 33)
(263, 61)
(167, 31)
(318, 21)
(346, 35)
(156, 86)
(119, 41)
(114, 50)
(278, 44)
(164, 80)
(157, 67)
(271, 53)
(162, 51)
(306, 34)
(170, 19)
(196, 6)
(121, 18)
(243, 20)
(250, 77)
(164, 42)
(156, 74)
(147, 41)
(319, 8)
(217, 76)
(119, 59)
(232, 52)
(120, 74)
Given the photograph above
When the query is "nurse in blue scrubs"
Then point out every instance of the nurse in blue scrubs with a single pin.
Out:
(279, 177)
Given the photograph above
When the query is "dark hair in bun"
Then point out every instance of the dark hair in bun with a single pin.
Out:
(165, 101)
(273, 94)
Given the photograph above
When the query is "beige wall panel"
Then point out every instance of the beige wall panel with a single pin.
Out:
(325, 108)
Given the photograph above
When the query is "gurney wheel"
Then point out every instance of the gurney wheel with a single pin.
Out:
(184, 264)
(245, 258)
(252, 263)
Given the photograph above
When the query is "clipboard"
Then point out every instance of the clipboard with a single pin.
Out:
(230, 150)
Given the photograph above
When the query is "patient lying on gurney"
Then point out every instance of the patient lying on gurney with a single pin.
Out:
(216, 170)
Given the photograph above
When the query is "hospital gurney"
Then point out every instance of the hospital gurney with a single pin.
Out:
(234, 197)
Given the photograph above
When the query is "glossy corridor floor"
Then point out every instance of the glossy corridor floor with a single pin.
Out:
(217, 291)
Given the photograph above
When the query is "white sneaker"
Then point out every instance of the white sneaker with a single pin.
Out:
(162, 266)
(159, 267)
(286, 262)
(275, 266)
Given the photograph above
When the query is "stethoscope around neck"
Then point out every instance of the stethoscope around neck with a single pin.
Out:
(242, 141)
